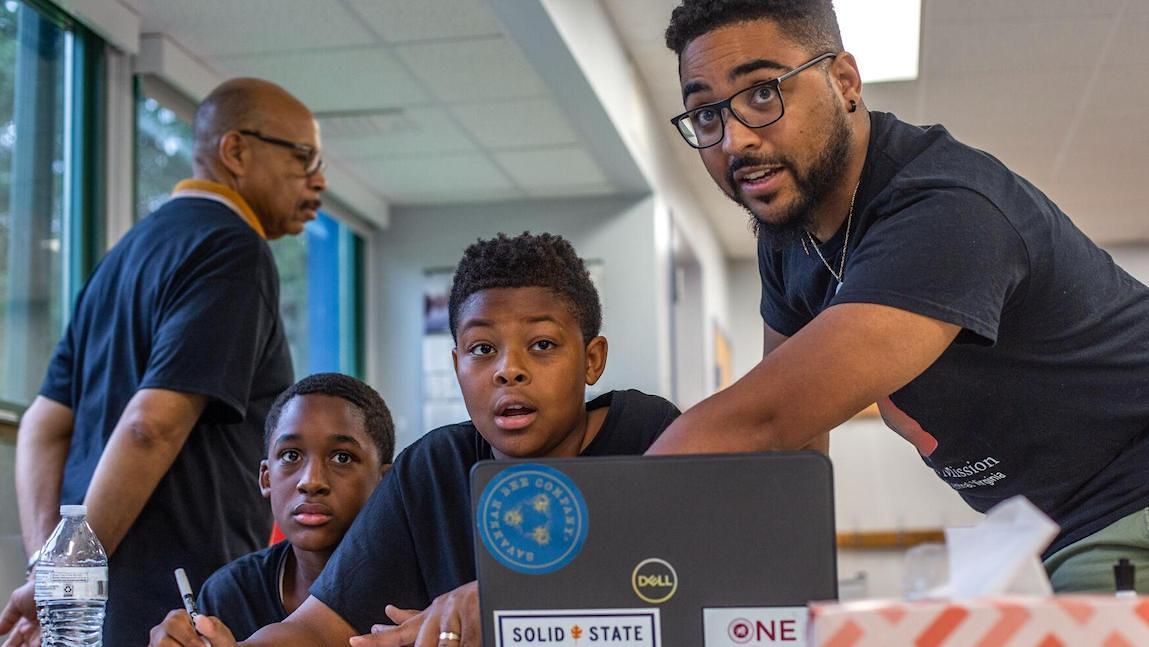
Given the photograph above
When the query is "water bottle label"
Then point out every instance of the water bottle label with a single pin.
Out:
(71, 583)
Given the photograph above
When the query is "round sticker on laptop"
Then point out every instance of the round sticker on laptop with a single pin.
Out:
(532, 519)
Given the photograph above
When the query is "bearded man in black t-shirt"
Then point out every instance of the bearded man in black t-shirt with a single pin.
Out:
(902, 267)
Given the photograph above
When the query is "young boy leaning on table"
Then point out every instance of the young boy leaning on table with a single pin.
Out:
(329, 439)
(525, 318)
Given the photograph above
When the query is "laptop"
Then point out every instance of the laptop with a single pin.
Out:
(667, 551)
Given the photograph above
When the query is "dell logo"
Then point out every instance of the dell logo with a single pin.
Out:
(654, 580)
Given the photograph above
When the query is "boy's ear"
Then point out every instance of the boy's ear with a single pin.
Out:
(264, 479)
(383, 469)
(595, 359)
(455, 360)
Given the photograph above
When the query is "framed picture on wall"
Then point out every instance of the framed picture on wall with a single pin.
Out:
(723, 358)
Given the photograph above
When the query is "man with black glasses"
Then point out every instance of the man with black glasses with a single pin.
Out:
(153, 407)
(902, 267)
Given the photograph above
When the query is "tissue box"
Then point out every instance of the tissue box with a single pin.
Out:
(1007, 621)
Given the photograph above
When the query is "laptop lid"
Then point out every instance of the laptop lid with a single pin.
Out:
(674, 551)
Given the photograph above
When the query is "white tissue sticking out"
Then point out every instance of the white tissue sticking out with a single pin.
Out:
(999, 555)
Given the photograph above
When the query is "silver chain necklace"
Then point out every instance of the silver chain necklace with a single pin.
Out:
(838, 276)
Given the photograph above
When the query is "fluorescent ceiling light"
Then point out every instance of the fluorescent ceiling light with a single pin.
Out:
(884, 35)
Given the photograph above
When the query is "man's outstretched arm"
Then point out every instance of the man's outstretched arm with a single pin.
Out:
(848, 357)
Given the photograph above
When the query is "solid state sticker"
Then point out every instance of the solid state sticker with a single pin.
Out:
(578, 628)
(532, 519)
(754, 626)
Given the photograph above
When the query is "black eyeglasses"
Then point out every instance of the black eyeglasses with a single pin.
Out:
(312, 160)
(757, 106)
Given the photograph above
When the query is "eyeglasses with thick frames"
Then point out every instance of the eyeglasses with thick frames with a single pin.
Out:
(312, 160)
(755, 107)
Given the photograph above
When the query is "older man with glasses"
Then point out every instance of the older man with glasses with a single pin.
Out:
(902, 267)
(153, 406)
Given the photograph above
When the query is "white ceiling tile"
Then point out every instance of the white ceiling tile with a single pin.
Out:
(404, 131)
(467, 71)
(516, 124)
(1107, 134)
(641, 18)
(1012, 46)
(551, 168)
(996, 11)
(902, 98)
(223, 27)
(334, 79)
(570, 191)
(467, 173)
(661, 62)
(403, 20)
(1006, 106)
(1108, 221)
(446, 195)
(1128, 47)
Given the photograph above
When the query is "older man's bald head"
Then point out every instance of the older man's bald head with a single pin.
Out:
(244, 103)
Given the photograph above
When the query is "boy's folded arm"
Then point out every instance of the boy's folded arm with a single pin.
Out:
(314, 624)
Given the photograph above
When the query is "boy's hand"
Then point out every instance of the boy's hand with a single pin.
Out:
(456, 612)
(177, 631)
(25, 634)
(19, 618)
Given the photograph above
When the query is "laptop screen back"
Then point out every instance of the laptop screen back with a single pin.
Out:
(676, 551)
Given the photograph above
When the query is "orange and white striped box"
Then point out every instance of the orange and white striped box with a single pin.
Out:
(1006, 621)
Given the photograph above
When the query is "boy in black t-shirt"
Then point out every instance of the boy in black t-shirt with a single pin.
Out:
(525, 318)
(329, 439)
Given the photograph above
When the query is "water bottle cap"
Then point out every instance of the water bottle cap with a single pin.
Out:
(73, 510)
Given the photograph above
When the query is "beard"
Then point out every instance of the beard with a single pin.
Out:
(812, 186)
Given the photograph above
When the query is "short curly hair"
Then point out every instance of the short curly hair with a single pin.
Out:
(527, 261)
(376, 416)
(811, 24)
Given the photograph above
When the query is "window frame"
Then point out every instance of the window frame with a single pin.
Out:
(85, 101)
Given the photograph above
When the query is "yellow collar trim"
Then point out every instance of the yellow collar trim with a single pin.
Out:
(225, 194)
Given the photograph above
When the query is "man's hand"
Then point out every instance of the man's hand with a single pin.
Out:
(26, 634)
(455, 612)
(19, 618)
(177, 631)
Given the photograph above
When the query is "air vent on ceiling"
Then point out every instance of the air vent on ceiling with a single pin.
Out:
(359, 123)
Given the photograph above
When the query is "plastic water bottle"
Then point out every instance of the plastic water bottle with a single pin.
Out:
(72, 583)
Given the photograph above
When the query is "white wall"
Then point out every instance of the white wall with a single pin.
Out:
(590, 36)
(745, 325)
(618, 232)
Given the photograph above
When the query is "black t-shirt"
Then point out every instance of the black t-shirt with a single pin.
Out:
(413, 540)
(1045, 391)
(245, 594)
(187, 301)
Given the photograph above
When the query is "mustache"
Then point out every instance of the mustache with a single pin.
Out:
(739, 163)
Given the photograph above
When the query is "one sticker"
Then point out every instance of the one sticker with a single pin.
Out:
(532, 519)
(753, 626)
(71, 583)
(579, 627)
